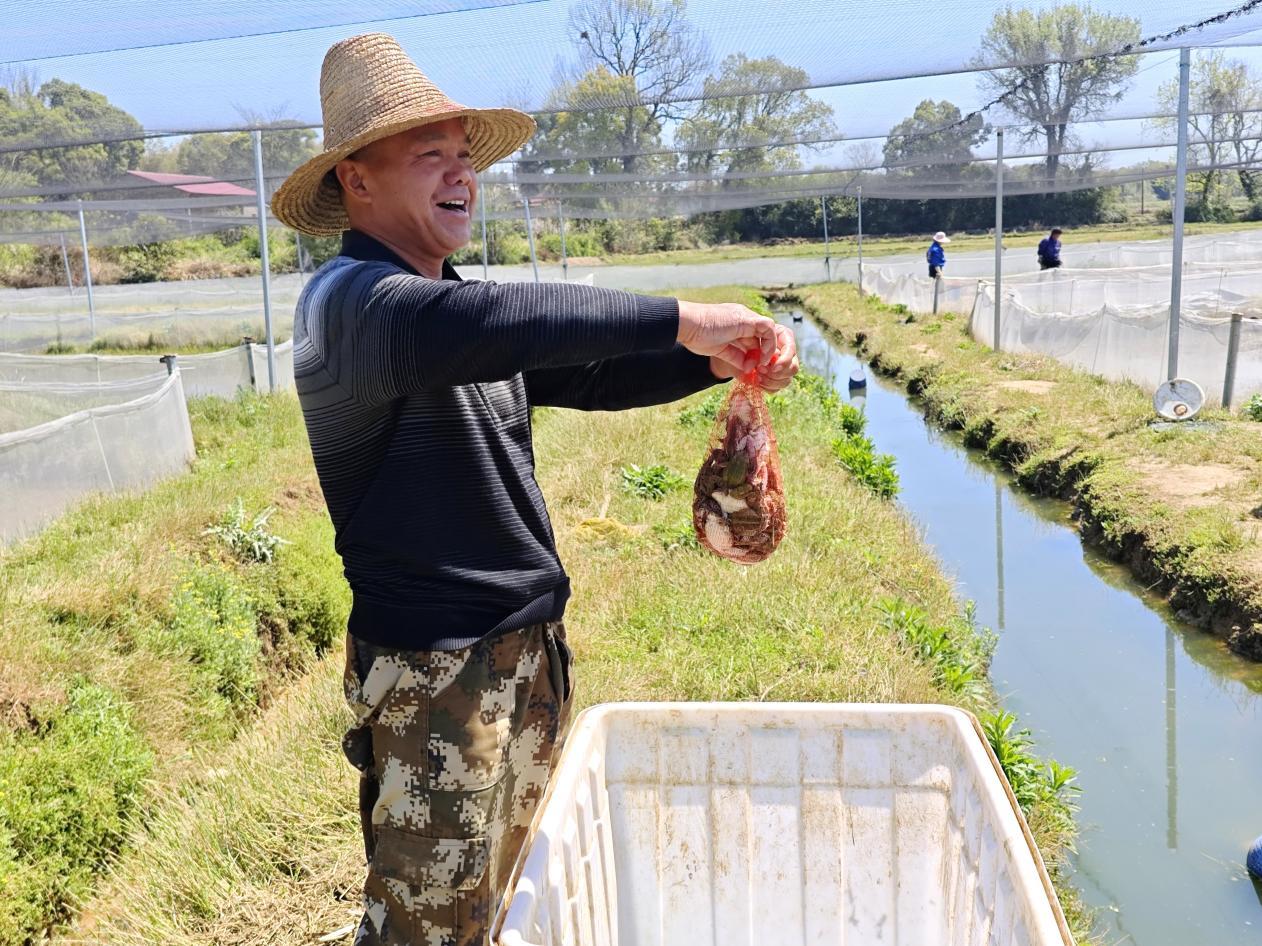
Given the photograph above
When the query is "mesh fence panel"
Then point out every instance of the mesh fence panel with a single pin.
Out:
(123, 446)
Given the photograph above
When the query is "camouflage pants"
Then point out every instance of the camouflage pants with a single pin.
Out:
(454, 751)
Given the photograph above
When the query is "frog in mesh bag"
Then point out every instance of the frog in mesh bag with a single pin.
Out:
(738, 506)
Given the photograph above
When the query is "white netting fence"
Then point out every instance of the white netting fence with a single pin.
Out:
(1101, 311)
(221, 373)
(107, 447)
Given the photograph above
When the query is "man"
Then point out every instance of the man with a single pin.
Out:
(1049, 251)
(416, 389)
(936, 255)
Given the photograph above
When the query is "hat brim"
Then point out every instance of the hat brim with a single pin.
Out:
(308, 202)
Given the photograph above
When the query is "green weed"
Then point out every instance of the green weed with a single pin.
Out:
(651, 482)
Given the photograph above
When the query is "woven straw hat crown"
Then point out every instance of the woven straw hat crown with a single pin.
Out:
(369, 90)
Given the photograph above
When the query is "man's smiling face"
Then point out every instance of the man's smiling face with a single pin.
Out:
(415, 190)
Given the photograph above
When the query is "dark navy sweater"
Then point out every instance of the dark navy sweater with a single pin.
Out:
(416, 394)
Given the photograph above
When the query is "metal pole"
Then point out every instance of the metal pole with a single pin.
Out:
(267, 276)
(482, 208)
(565, 264)
(823, 206)
(530, 237)
(937, 281)
(87, 272)
(1233, 349)
(65, 261)
(998, 232)
(1180, 196)
(860, 193)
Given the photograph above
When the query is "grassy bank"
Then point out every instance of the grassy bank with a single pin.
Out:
(135, 644)
(851, 607)
(1179, 506)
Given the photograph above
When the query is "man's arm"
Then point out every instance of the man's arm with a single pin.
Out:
(383, 334)
(615, 384)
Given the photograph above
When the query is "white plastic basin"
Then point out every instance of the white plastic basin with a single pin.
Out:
(778, 824)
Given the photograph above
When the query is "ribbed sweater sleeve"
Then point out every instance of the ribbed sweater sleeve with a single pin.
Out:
(388, 334)
(615, 384)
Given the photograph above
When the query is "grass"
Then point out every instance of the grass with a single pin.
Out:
(874, 246)
(1176, 504)
(131, 639)
(265, 848)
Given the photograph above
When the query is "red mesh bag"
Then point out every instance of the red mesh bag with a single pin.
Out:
(738, 498)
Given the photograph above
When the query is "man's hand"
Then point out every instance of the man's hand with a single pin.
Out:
(774, 376)
(727, 331)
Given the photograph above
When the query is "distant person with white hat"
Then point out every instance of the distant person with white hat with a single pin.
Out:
(936, 255)
(416, 388)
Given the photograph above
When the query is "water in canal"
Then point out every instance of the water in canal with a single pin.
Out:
(1163, 724)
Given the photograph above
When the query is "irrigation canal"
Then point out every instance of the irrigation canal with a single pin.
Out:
(1162, 722)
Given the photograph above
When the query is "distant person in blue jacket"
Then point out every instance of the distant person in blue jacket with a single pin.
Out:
(936, 255)
(1049, 251)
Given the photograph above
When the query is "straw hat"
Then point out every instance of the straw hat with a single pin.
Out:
(370, 89)
(941, 237)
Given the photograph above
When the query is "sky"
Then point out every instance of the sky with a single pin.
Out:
(508, 53)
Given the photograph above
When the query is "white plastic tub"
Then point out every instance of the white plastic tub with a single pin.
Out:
(779, 824)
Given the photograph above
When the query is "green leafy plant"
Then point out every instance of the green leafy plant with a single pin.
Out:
(958, 654)
(1048, 786)
(874, 470)
(651, 482)
(214, 624)
(249, 539)
(1253, 408)
(704, 411)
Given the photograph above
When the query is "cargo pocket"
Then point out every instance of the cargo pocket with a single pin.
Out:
(434, 864)
(416, 885)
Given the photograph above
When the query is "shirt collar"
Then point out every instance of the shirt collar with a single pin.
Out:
(359, 245)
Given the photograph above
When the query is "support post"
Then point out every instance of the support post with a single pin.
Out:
(261, 195)
(247, 342)
(565, 263)
(169, 361)
(860, 195)
(937, 282)
(1233, 349)
(87, 272)
(1180, 197)
(998, 234)
(828, 269)
(65, 261)
(482, 209)
(530, 237)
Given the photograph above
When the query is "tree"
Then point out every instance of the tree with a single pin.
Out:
(653, 50)
(935, 133)
(757, 118)
(1224, 124)
(230, 155)
(59, 112)
(1048, 71)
